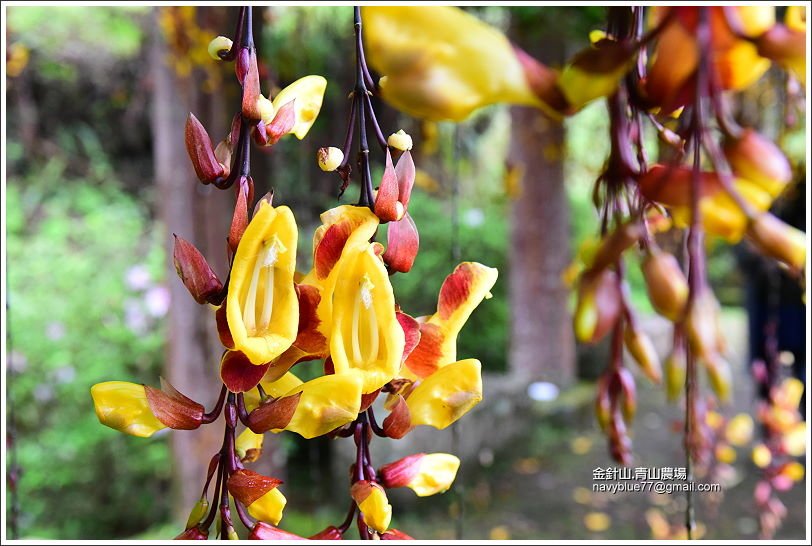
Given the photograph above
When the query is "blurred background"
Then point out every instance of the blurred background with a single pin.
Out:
(98, 180)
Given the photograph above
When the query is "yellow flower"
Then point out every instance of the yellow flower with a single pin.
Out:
(447, 394)
(373, 504)
(308, 94)
(425, 474)
(268, 507)
(124, 407)
(248, 445)
(365, 333)
(439, 62)
(262, 308)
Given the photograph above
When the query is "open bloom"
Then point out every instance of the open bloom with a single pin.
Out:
(366, 334)
(446, 395)
(262, 308)
(124, 406)
(307, 94)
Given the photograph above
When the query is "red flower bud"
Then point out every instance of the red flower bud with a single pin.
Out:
(399, 422)
(196, 274)
(403, 242)
(265, 531)
(240, 219)
(250, 87)
(222, 327)
(172, 408)
(201, 152)
(387, 206)
(273, 415)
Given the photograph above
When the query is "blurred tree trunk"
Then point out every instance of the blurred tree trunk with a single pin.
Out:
(542, 345)
(200, 214)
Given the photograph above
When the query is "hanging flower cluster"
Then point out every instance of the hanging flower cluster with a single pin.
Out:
(343, 312)
(676, 69)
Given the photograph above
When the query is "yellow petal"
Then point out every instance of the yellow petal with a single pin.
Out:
(794, 441)
(308, 93)
(373, 504)
(739, 430)
(327, 403)
(268, 507)
(365, 333)
(447, 394)
(435, 474)
(441, 62)
(262, 309)
(124, 407)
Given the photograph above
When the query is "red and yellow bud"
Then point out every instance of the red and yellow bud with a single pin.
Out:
(425, 474)
(399, 422)
(201, 152)
(307, 95)
(778, 240)
(366, 335)
(665, 283)
(642, 350)
(259, 494)
(720, 375)
(441, 62)
(402, 244)
(194, 533)
(598, 306)
(264, 531)
(702, 324)
(125, 407)
(615, 244)
(400, 141)
(786, 46)
(262, 307)
(196, 273)
(373, 504)
(595, 72)
(329, 159)
(757, 159)
(446, 395)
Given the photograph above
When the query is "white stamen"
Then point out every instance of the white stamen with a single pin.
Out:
(356, 316)
(267, 305)
(249, 309)
(373, 335)
(366, 292)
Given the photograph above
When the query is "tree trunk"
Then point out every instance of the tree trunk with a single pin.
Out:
(200, 214)
(542, 345)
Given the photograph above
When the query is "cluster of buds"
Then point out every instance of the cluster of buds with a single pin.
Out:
(638, 200)
(343, 312)
(784, 440)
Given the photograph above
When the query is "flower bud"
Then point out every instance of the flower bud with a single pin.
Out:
(719, 374)
(219, 45)
(402, 244)
(195, 273)
(675, 372)
(248, 445)
(125, 407)
(702, 323)
(758, 159)
(263, 531)
(425, 474)
(201, 152)
(195, 533)
(373, 504)
(222, 153)
(779, 240)
(642, 350)
(259, 494)
(615, 243)
(598, 306)
(251, 89)
(173, 409)
(273, 415)
(787, 47)
(665, 283)
(329, 158)
(222, 327)
(400, 141)
(603, 403)
(399, 422)
(307, 95)
(629, 390)
(198, 512)
(266, 109)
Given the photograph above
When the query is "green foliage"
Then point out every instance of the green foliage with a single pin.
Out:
(85, 305)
